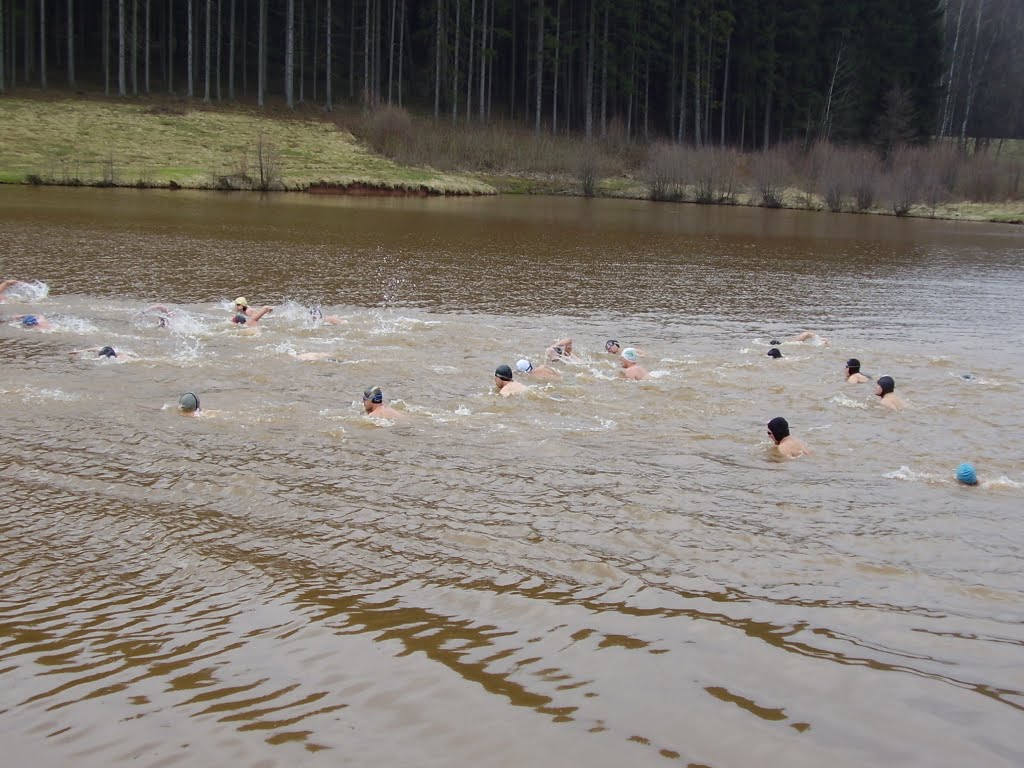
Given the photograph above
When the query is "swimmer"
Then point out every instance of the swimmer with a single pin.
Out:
(33, 322)
(249, 320)
(318, 316)
(786, 445)
(884, 388)
(314, 357)
(560, 351)
(503, 381)
(853, 374)
(527, 368)
(163, 317)
(612, 347)
(242, 308)
(101, 352)
(630, 370)
(188, 404)
(965, 474)
(775, 353)
(812, 336)
(373, 403)
(9, 284)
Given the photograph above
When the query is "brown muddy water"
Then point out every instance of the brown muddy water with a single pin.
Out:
(597, 573)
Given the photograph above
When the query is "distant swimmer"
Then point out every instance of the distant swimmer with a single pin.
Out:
(775, 353)
(373, 403)
(561, 351)
(812, 336)
(527, 368)
(108, 352)
(318, 316)
(503, 381)
(965, 474)
(188, 404)
(249, 320)
(885, 389)
(853, 374)
(787, 445)
(630, 370)
(242, 308)
(314, 357)
(8, 284)
(33, 322)
(163, 314)
(612, 347)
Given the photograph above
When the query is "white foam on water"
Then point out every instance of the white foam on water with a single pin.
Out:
(49, 394)
(847, 402)
(911, 475)
(659, 374)
(27, 292)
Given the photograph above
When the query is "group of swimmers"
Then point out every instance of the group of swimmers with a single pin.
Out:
(560, 351)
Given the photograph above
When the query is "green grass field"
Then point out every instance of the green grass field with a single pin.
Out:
(94, 142)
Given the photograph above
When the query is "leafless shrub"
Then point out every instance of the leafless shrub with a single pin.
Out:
(866, 172)
(903, 186)
(389, 130)
(268, 165)
(713, 174)
(981, 178)
(665, 172)
(771, 171)
(108, 173)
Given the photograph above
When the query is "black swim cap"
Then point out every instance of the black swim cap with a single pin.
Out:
(503, 372)
(240, 319)
(609, 344)
(779, 428)
(775, 352)
(189, 402)
(774, 342)
(853, 365)
(107, 352)
(887, 385)
(373, 394)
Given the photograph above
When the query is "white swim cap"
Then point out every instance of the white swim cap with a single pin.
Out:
(524, 366)
(630, 354)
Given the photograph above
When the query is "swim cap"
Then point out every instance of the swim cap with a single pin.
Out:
(240, 319)
(29, 320)
(243, 301)
(774, 342)
(503, 372)
(965, 474)
(524, 366)
(188, 403)
(630, 354)
(887, 385)
(373, 394)
(775, 352)
(107, 352)
(779, 428)
(609, 344)
(853, 365)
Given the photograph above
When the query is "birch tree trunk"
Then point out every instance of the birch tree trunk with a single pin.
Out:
(554, 81)
(947, 112)
(366, 56)
(455, 66)
(3, 49)
(604, 76)
(170, 46)
(146, 49)
(231, 51)
(483, 61)
(121, 85)
(106, 47)
(135, 47)
(469, 63)
(42, 43)
(725, 90)
(220, 47)
(327, 74)
(206, 80)
(391, 53)
(437, 62)
(261, 56)
(302, 51)
(971, 76)
(191, 74)
(71, 45)
(289, 56)
(588, 105)
(540, 63)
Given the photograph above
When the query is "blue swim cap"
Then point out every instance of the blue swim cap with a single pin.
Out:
(29, 320)
(965, 474)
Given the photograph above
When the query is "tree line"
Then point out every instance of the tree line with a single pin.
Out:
(743, 73)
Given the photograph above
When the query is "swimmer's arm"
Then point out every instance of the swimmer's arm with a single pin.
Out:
(560, 343)
(83, 351)
(156, 308)
(8, 284)
(260, 313)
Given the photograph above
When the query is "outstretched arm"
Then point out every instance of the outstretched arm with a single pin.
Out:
(83, 351)
(156, 308)
(260, 313)
(9, 283)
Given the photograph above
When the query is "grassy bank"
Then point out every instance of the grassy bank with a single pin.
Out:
(79, 141)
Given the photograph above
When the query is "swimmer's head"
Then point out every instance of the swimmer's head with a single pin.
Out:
(30, 321)
(885, 386)
(612, 347)
(630, 355)
(524, 366)
(775, 352)
(241, 303)
(188, 403)
(316, 313)
(503, 372)
(775, 342)
(239, 319)
(853, 366)
(107, 352)
(778, 428)
(162, 321)
(965, 474)
(373, 395)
